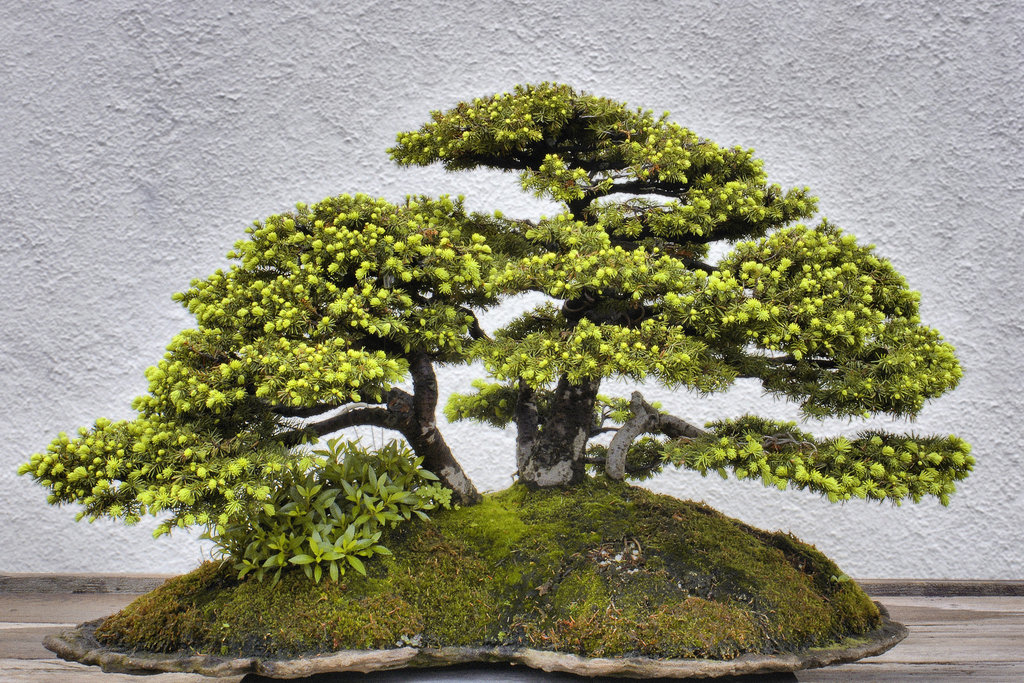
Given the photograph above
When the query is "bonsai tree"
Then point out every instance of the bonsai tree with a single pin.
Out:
(326, 311)
(810, 314)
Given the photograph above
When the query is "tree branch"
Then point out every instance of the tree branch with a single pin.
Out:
(664, 189)
(646, 419)
(307, 412)
(677, 428)
(351, 415)
(418, 414)
(475, 331)
(823, 363)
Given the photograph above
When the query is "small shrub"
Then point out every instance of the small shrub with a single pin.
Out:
(329, 509)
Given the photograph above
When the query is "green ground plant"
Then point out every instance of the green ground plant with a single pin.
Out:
(329, 509)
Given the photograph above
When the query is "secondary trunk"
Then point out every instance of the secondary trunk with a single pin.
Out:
(412, 416)
(421, 430)
(550, 448)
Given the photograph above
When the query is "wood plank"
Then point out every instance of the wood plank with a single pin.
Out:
(59, 671)
(862, 672)
(940, 587)
(60, 608)
(80, 583)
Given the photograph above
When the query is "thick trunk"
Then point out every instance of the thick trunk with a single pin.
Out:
(552, 455)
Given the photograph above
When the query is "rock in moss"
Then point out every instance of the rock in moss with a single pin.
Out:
(601, 569)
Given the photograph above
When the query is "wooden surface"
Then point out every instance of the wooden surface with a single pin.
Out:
(980, 638)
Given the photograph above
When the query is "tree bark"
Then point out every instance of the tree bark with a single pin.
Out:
(553, 454)
(646, 420)
(425, 438)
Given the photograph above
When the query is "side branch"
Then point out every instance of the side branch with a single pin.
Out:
(351, 415)
(305, 413)
(646, 419)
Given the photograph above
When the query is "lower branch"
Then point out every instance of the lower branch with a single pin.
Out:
(873, 466)
(646, 419)
(351, 415)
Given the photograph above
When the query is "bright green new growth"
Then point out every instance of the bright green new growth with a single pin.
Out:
(806, 311)
(326, 311)
(325, 308)
(873, 466)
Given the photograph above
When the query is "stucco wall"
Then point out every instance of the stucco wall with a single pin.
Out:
(136, 144)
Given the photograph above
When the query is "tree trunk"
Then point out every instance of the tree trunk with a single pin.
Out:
(552, 454)
(414, 417)
(425, 438)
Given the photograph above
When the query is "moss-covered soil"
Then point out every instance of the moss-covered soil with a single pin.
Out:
(602, 569)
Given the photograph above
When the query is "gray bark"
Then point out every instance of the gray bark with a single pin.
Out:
(553, 455)
(646, 420)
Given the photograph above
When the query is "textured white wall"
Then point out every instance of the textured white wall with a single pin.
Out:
(136, 144)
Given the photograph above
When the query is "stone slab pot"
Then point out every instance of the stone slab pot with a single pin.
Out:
(80, 645)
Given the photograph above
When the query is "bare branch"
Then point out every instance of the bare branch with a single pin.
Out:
(475, 330)
(665, 189)
(307, 412)
(351, 415)
(677, 428)
(645, 418)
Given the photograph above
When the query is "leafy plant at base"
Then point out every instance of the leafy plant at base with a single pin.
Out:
(328, 509)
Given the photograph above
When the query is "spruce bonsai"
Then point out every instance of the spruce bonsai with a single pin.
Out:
(810, 314)
(327, 310)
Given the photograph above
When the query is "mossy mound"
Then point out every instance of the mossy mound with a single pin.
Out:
(603, 569)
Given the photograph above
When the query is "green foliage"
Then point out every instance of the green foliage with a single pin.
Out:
(812, 315)
(321, 307)
(327, 510)
(330, 304)
(324, 303)
(873, 466)
(846, 320)
(492, 403)
(570, 146)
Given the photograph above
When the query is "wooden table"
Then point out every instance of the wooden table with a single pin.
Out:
(977, 636)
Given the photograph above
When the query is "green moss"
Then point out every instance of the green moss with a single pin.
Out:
(602, 569)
